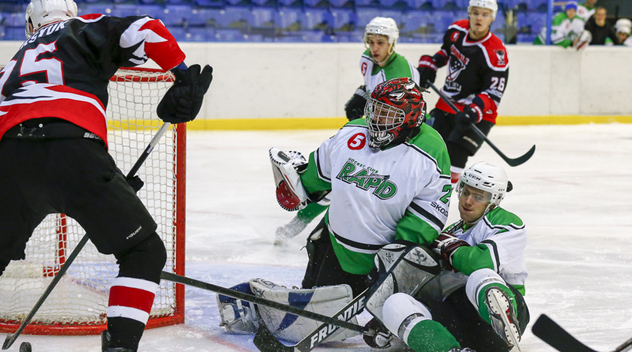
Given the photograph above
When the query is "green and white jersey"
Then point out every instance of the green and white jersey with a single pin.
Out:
(396, 67)
(497, 242)
(564, 30)
(584, 13)
(378, 196)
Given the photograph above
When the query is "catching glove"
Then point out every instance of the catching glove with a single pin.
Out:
(427, 70)
(378, 335)
(354, 108)
(445, 245)
(470, 114)
(183, 100)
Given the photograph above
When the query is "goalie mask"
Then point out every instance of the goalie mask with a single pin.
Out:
(394, 112)
(488, 178)
(43, 12)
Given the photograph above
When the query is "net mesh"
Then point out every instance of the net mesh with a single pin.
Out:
(81, 297)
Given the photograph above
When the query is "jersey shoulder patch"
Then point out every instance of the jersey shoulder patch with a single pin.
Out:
(496, 52)
(502, 217)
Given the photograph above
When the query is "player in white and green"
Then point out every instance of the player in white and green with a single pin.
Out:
(479, 302)
(379, 63)
(566, 27)
(388, 178)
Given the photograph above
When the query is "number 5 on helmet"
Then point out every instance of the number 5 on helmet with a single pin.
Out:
(286, 167)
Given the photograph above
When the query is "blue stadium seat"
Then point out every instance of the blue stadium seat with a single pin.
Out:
(367, 3)
(462, 4)
(122, 10)
(291, 3)
(342, 3)
(209, 3)
(316, 18)
(234, 17)
(104, 9)
(394, 4)
(288, 17)
(365, 15)
(176, 15)
(14, 33)
(199, 16)
(13, 19)
(200, 34)
(316, 3)
(441, 20)
(414, 20)
(229, 35)
(264, 3)
(155, 11)
(419, 4)
(262, 17)
(214, 18)
(343, 19)
(530, 22)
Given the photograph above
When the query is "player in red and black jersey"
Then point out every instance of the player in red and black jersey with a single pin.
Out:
(478, 70)
(53, 145)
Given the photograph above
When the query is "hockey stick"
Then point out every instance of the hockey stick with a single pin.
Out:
(267, 342)
(261, 301)
(10, 339)
(553, 334)
(512, 162)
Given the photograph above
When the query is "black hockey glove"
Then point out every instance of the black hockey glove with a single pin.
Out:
(470, 114)
(378, 336)
(135, 182)
(354, 108)
(183, 100)
(427, 70)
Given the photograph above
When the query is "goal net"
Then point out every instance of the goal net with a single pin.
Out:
(79, 302)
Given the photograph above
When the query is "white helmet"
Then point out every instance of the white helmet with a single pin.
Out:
(486, 4)
(383, 26)
(43, 12)
(486, 177)
(623, 25)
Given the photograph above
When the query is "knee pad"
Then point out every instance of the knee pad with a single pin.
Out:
(478, 281)
(145, 260)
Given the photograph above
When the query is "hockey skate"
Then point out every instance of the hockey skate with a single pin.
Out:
(106, 341)
(289, 230)
(466, 349)
(502, 316)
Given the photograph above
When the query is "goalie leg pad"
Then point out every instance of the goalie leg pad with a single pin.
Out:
(289, 189)
(325, 300)
(237, 316)
(402, 267)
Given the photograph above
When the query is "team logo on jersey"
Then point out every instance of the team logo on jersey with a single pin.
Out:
(357, 141)
(367, 179)
(458, 62)
(455, 36)
(500, 54)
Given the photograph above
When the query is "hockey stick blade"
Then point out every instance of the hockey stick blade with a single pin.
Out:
(510, 161)
(267, 342)
(258, 300)
(556, 336)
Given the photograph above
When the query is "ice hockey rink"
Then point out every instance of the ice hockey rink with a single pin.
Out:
(574, 195)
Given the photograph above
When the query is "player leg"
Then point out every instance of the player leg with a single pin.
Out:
(97, 195)
(497, 304)
(463, 143)
(412, 322)
(323, 268)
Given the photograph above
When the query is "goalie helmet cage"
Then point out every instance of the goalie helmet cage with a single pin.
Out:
(77, 306)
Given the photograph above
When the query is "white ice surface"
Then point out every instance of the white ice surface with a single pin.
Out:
(574, 195)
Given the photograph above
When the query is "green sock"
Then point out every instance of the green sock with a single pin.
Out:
(430, 336)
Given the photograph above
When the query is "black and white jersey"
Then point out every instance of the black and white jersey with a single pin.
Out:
(475, 69)
(64, 68)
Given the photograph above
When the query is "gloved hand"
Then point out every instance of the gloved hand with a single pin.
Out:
(379, 336)
(427, 70)
(445, 245)
(354, 108)
(135, 182)
(183, 100)
(470, 114)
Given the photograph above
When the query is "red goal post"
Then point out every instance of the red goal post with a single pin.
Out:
(78, 304)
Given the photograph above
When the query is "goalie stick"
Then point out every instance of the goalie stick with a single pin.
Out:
(553, 334)
(267, 342)
(261, 301)
(10, 339)
(512, 162)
